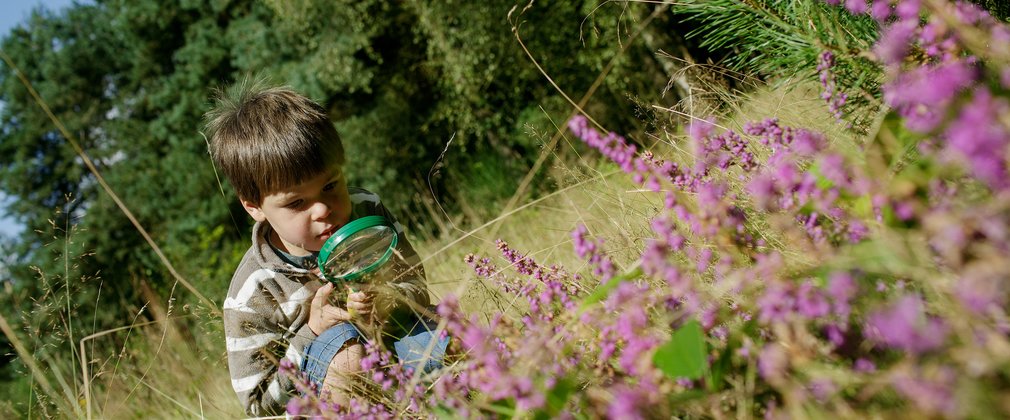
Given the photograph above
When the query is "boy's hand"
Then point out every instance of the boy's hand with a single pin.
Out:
(359, 303)
(322, 315)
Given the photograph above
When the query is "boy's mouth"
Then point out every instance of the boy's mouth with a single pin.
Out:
(326, 233)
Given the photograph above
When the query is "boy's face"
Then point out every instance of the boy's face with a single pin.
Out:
(305, 215)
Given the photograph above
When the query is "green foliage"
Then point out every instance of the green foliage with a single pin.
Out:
(130, 80)
(998, 8)
(400, 81)
(557, 399)
(782, 40)
(603, 290)
(684, 355)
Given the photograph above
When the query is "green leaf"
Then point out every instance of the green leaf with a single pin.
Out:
(557, 397)
(604, 289)
(821, 181)
(686, 396)
(721, 366)
(863, 207)
(684, 355)
(505, 407)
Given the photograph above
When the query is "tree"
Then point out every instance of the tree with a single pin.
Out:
(131, 80)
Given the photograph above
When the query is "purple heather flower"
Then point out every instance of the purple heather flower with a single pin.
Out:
(864, 366)
(904, 210)
(881, 286)
(995, 229)
(711, 193)
(949, 240)
(654, 257)
(881, 10)
(807, 143)
(1000, 37)
(979, 291)
(704, 258)
(745, 348)
(856, 7)
(941, 83)
(832, 167)
(931, 393)
(664, 228)
(810, 301)
(979, 137)
(908, 10)
(586, 248)
(294, 407)
(700, 129)
(834, 99)
(857, 231)
(822, 389)
(921, 95)
(652, 184)
(895, 41)
(762, 191)
(676, 280)
(720, 333)
(685, 382)
(842, 288)
(786, 177)
(773, 362)
(777, 302)
(626, 403)
(612, 146)
(937, 42)
(708, 316)
(835, 333)
(905, 326)
(286, 365)
(669, 200)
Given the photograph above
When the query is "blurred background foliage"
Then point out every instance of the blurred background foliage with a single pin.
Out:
(131, 80)
(435, 100)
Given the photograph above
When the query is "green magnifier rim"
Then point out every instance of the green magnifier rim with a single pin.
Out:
(347, 231)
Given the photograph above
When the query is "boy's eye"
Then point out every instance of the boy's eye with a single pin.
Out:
(294, 204)
(330, 186)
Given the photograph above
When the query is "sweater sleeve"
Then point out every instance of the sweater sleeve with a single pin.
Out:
(257, 340)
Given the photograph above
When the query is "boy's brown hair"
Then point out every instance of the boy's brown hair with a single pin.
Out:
(266, 138)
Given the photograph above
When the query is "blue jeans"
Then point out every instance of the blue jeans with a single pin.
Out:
(410, 349)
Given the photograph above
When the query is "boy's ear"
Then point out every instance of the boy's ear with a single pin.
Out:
(254, 210)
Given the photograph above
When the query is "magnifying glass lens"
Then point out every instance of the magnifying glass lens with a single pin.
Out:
(359, 253)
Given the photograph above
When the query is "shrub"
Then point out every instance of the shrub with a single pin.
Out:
(782, 276)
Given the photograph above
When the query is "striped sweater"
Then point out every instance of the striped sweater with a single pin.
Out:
(266, 312)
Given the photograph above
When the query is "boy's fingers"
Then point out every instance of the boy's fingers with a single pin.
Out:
(359, 305)
(335, 313)
(359, 297)
(320, 297)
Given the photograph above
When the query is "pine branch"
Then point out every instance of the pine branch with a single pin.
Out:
(782, 40)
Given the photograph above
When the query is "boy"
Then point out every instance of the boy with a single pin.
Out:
(284, 158)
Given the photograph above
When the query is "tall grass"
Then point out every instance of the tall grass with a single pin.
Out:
(144, 368)
(756, 354)
(147, 369)
(786, 272)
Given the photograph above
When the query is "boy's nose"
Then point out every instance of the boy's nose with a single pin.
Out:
(320, 210)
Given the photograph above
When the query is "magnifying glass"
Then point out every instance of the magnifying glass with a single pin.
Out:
(357, 249)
